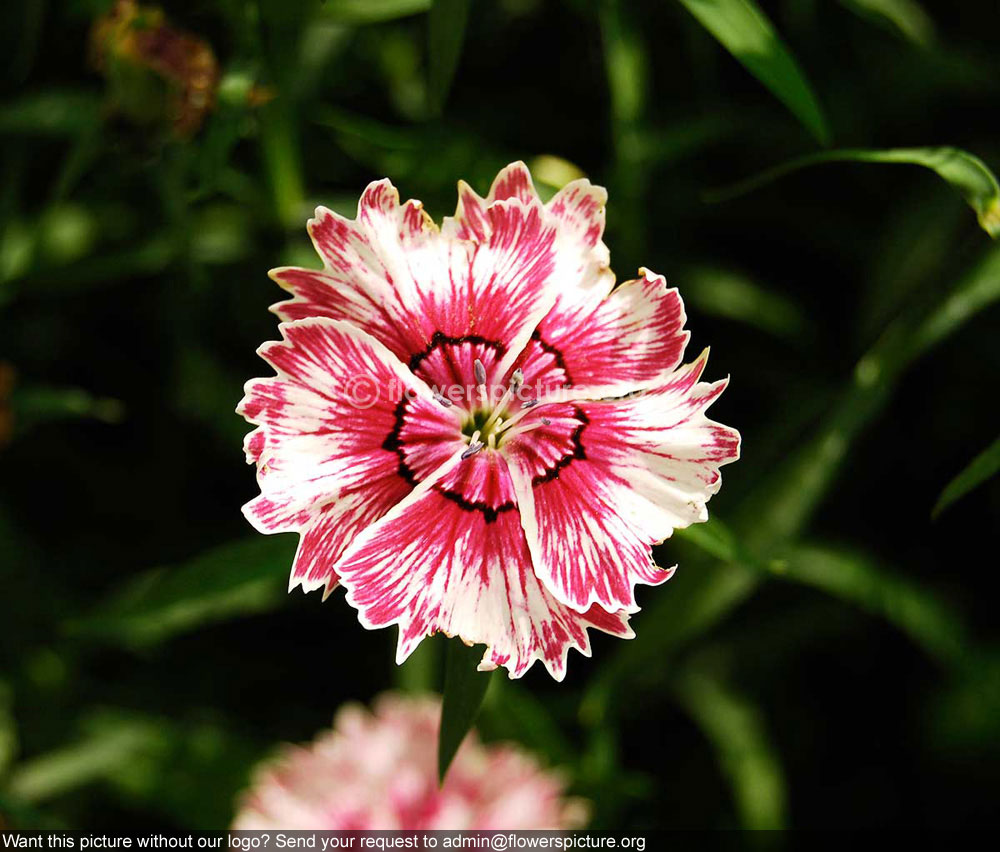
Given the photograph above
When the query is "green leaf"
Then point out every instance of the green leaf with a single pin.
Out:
(852, 577)
(713, 537)
(981, 468)
(744, 30)
(464, 691)
(514, 712)
(732, 295)
(445, 34)
(697, 601)
(283, 162)
(778, 509)
(372, 11)
(52, 113)
(736, 731)
(420, 673)
(101, 752)
(146, 760)
(965, 172)
(552, 173)
(35, 404)
(905, 16)
(627, 65)
(783, 503)
(8, 728)
(236, 579)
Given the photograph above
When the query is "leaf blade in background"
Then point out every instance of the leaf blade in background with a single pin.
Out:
(786, 500)
(733, 295)
(8, 728)
(779, 509)
(627, 70)
(714, 538)
(906, 17)
(56, 112)
(981, 468)
(464, 691)
(95, 756)
(372, 11)
(900, 601)
(745, 31)
(240, 578)
(966, 173)
(445, 35)
(32, 405)
(144, 757)
(737, 733)
(551, 173)
(699, 599)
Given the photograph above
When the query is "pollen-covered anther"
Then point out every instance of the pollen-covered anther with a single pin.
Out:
(495, 420)
(473, 449)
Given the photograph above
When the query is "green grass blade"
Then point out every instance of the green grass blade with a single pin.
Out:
(900, 601)
(35, 404)
(785, 501)
(445, 34)
(966, 173)
(906, 17)
(372, 11)
(233, 580)
(745, 31)
(513, 712)
(779, 509)
(8, 728)
(94, 757)
(981, 468)
(735, 729)
(51, 113)
(464, 691)
(733, 295)
(714, 538)
(696, 601)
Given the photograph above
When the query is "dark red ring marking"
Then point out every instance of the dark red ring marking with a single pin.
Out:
(490, 513)
(439, 338)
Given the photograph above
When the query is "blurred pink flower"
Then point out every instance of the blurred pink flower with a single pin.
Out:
(378, 771)
(473, 429)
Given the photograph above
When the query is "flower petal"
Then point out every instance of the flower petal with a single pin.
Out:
(639, 468)
(455, 560)
(331, 528)
(394, 275)
(325, 420)
(631, 339)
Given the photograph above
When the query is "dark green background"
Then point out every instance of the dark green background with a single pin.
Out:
(837, 667)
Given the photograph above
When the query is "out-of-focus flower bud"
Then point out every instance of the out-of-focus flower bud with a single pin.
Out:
(154, 70)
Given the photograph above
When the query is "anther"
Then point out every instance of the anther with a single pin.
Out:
(480, 372)
(442, 399)
(475, 448)
(531, 403)
(546, 421)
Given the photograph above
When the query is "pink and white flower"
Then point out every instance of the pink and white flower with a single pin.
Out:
(473, 430)
(379, 772)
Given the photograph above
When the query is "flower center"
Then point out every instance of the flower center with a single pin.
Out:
(488, 424)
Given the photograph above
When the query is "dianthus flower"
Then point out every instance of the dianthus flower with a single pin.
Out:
(473, 430)
(378, 771)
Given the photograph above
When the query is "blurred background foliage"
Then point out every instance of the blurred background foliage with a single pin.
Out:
(826, 656)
